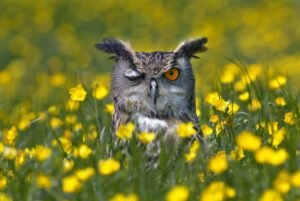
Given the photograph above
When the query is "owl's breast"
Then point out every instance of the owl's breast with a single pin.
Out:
(148, 124)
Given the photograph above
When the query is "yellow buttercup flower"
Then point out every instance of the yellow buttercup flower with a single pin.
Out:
(295, 179)
(146, 137)
(255, 105)
(10, 136)
(108, 166)
(56, 122)
(278, 157)
(272, 127)
(253, 70)
(178, 193)
(71, 184)
(240, 85)
(271, 195)
(193, 151)
(289, 118)
(190, 156)
(84, 151)
(233, 108)
(43, 181)
(216, 100)
(221, 105)
(212, 97)
(1, 147)
(10, 152)
(77, 127)
(237, 154)
(42, 153)
(244, 96)
(91, 136)
(58, 80)
(230, 192)
(195, 146)
(214, 118)
(219, 128)
(3, 181)
(68, 165)
(77, 93)
(227, 77)
(26, 120)
(23, 124)
(66, 144)
(229, 73)
(122, 197)
(248, 141)
(217, 191)
(85, 174)
(53, 110)
(71, 119)
(282, 182)
(278, 137)
(100, 92)
(280, 101)
(4, 197)
(186, 130)
(109, 108)
(206, 130)
(20, 158)
(42, 116)
(5, 77)
(75, 151)
(268, 155)
(72, 105)
(125, 131)
(218, 163)
(263, 154)
(277, 82)
(201, 177)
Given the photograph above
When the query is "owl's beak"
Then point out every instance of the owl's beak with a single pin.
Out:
(153, 90)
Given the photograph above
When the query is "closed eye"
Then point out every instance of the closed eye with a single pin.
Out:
(133, 75)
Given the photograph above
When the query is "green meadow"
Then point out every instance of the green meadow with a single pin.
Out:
(56, 141)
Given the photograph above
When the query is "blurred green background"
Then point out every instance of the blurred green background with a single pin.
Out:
(48, 46)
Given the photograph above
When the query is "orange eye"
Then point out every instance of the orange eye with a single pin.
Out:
(172, 74)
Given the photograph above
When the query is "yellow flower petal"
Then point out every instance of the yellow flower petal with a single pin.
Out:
(108, 166)
(177, 193)
(248, 141)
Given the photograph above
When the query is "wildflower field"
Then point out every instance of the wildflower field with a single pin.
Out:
(56, 112)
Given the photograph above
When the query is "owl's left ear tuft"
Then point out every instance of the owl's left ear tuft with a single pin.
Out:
(189, 48)
(119, 48)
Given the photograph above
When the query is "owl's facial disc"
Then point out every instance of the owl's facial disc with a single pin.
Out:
(132, 75)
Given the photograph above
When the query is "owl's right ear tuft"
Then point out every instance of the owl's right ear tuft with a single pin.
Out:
(120, 48)
(189, 48)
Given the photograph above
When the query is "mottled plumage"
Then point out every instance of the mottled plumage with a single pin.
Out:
(141, 91)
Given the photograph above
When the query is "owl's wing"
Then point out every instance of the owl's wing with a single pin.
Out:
(118, 119)
(191, 116)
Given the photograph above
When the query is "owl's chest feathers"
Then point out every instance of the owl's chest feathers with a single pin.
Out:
(156, 125)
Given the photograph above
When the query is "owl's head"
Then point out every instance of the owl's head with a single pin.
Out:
(156, 84)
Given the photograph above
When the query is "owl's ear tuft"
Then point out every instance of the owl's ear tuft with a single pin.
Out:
(120, 48)
(189, 48)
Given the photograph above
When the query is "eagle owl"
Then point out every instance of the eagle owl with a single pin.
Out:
(156, 90)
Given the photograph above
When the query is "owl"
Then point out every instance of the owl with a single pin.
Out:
(155, 90)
